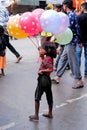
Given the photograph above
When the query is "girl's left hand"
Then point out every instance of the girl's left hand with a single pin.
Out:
(40, 72)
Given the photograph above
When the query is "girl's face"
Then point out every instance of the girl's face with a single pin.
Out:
(42, 51)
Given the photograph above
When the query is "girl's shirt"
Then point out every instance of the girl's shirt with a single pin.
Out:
(47, 64)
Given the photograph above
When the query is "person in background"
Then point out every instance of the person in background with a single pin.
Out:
(60, 48)
(49, 6)
(69, 52)
(58, 8)
(4, 17)
(2, 51)
(82, 20)
(48, 50)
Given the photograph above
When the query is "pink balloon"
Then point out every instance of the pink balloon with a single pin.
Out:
(28, 23)
(63, 24)
(38, 12)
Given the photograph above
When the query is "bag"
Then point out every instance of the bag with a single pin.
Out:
(2, 53)
(2, 47)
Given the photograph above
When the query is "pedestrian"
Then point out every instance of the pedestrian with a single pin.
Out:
(60, 48)
(69, 52)
(48, 50)
(2, 51)
(4, 17)
(82, 19)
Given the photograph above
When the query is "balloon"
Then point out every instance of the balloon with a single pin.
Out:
(63, 24)
(38, 12)
(28, 23)
(50, 20)
(65, 37)
(14, 29)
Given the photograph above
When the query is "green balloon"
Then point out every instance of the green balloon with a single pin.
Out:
(65, 37)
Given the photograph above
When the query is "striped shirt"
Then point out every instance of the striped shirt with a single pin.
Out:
(4, 16)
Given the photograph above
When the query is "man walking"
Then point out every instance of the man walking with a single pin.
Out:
(69, 53)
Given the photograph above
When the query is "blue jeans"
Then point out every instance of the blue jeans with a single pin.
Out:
(79, 53)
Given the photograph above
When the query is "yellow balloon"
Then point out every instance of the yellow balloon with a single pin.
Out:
(14, 28)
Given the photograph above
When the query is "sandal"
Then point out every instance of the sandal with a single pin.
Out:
(78, 86)
(55, 81)
(18, 59)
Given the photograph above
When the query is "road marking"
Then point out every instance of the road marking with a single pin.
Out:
(61, 105)
(5, 127)
(70, 101)
(76, 99)
(67, 102)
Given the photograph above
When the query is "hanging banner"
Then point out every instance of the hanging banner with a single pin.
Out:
(54, 1)
(28, 2)
(77, 3)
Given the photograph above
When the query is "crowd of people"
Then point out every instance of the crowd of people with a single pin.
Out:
(67, 55)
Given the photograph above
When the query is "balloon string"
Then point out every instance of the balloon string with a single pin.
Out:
(38, 41)
(33, 42)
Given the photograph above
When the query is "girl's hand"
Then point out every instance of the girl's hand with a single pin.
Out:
(40, 72)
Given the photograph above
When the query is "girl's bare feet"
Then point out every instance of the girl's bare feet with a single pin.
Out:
(48, 115)
(33, 118)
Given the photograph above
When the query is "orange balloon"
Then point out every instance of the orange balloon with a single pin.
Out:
(14, 28)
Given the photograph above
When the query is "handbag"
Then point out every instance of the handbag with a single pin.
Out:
(2, 53)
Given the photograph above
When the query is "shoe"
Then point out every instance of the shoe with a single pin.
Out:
(78, 86)
(2, 74)
(18, 59)
(67, 67)
(85, 75)
(55, 81)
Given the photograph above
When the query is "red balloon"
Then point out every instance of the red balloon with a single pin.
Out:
(37, 13)
(28, 23)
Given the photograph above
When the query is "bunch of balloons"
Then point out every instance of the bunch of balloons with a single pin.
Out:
(32, 23)
(26, 25)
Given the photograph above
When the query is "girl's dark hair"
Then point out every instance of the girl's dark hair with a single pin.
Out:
(50, 48)
(1, 30)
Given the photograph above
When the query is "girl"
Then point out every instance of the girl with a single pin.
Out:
(48, 51)
(2, 51)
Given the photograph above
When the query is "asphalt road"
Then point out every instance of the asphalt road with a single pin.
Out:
(17, 95)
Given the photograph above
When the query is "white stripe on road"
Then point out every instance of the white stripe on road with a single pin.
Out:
(70, 101)
(76, 99)
(5, 127)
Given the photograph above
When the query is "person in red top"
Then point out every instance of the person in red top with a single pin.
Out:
(48, 50)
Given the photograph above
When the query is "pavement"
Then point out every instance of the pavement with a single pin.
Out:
(17, 89)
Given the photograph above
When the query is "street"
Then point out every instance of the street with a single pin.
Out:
(17, 89)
